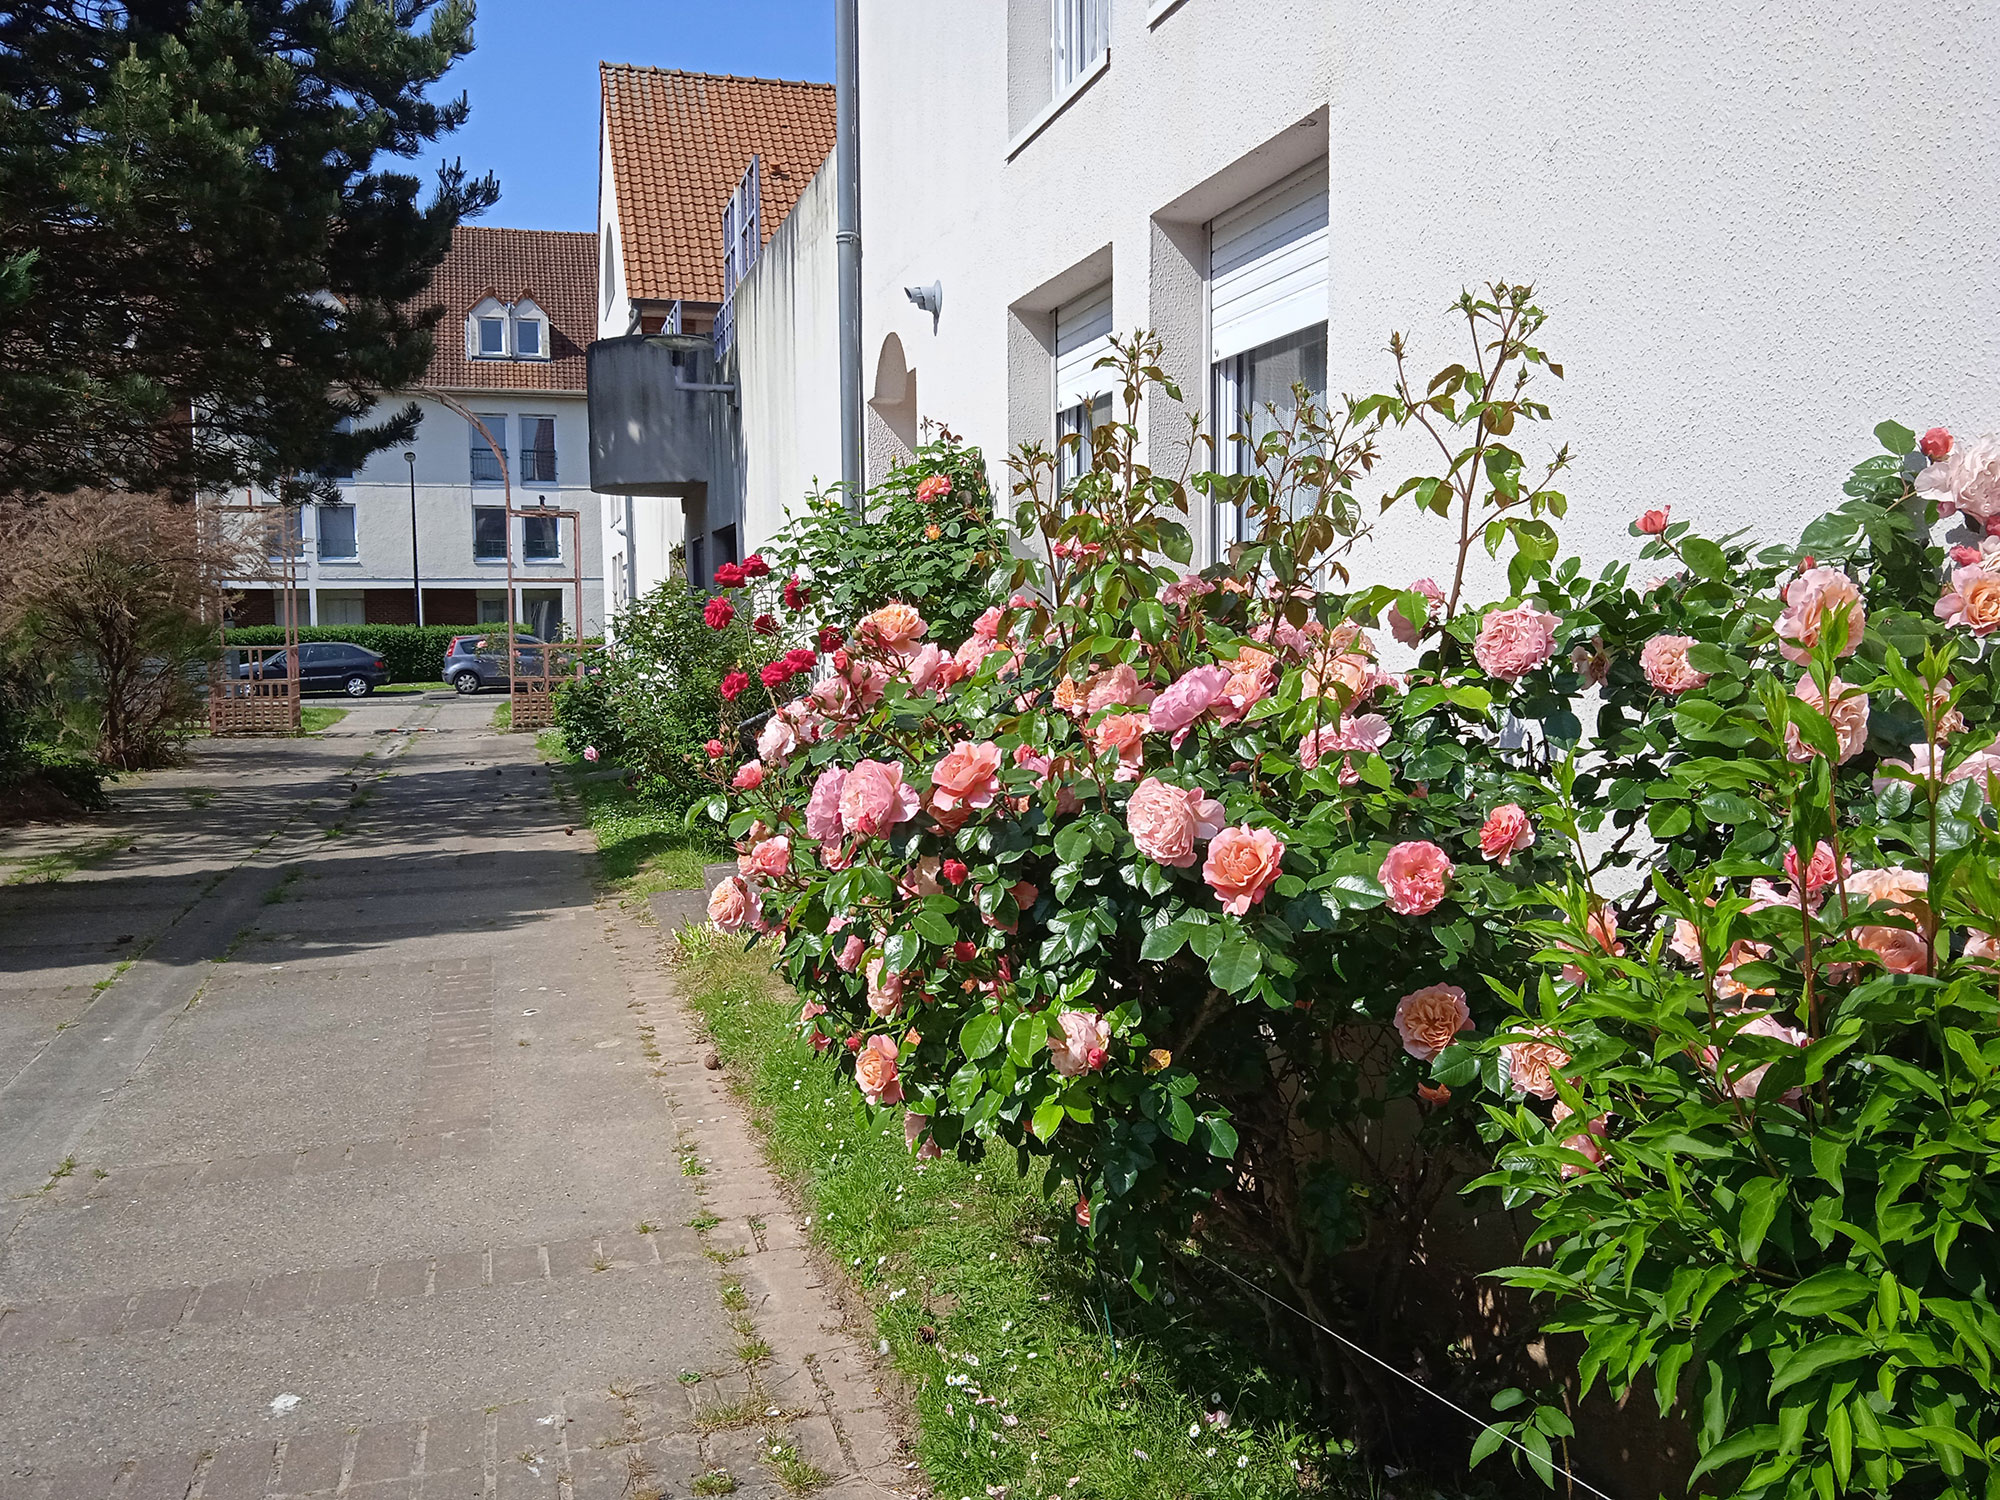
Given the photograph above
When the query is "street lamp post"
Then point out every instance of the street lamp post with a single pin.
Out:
(416, 575)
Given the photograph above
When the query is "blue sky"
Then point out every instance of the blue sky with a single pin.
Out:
(533, 83)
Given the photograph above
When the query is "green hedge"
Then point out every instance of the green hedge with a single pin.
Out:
(414, 653)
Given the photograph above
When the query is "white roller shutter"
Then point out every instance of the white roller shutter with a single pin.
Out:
(1083, 337)
(1268, 265)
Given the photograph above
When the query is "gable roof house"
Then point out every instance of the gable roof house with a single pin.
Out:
(423, 530)
(698, 173)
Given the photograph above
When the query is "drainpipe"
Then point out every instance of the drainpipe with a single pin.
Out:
(847, 241)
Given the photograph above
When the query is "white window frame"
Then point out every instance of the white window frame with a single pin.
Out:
(480, 322)
(520, 315)
(492, 558)
(1083, 336)
(521, 475)
(319, 532)
(1079, 38)
(555, 525)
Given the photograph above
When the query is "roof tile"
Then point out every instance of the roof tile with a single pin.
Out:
(557, 268)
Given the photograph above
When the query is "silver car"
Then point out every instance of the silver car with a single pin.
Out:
(473, 662)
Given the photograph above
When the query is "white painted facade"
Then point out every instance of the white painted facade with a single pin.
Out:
(336, 581)
(1757, 232)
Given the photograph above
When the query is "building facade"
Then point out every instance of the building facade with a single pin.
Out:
(420, 531)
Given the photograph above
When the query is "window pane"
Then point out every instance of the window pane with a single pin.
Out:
(1256, 395)
(1083, 419)
(538, 450)
(287, 525)
(493, 336)
(539, 539)
(336, 531)
(489, 532)
(485, 462)
(528, 337)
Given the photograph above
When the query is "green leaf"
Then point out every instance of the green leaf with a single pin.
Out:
(1236, 964)
(1163, 942)
(1820, 1355)
(1705, 558)
(1486, 1445)
(979, 1036)
(1025, 1036)
(900, 952)
(1221, 1137)
(935, 926)
(1048, 1117)
(1175, 542)
(1826, 1291)
(1728, 807)
(1897, 438)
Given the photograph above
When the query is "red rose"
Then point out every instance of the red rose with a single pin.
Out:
(854, 1043)
(964, 951)
(797, 595)
(754, 566)
(954, 871)
(800, 659)
(1966, 557)
(734, 684)
(830, 638)
(1935, 444)
(715, 749)
(1653, 522)
(718, 612)
(840, 661)
(764, 625)
(728, 576)
(774, 674)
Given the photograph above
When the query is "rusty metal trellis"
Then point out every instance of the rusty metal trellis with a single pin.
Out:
(252, 703)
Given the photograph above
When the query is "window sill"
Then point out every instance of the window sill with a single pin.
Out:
(341, 562)
(1159, 10)
(1056, 106)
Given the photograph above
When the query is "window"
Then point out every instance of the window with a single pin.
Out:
(492, 610)
(541, 539)
(489, 533)
(338, 468)
(528, 338)
(287, 531)
(336, 534)
(697, 562)
(725, 545)
(610, 280)
(485, 462)
(1081, 34)
(492, 338)
(342, 609)
(538, 450)
(1255, 393)
(541, 610)
(1083, 391)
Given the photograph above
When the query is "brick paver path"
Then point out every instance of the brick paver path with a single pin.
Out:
(326, 1136)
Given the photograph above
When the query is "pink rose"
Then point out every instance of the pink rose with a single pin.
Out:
(987, 626)
(1242, 866)
(1505, 834)
(1974, 601)
(1812, 599)
(1982, 948)
(1849, 717)
(1935, 444)
(1185, 590)
(1588, 1142)
(1531, 1066)
(1744, 1085)
(1592, 661)
(1176, 709)
(1654, 522)
(851, 953)
(749, 776)
(1665, 663)
(590, 753)
(921, 668)
(967, 777)
(1167, 821)
(1415, 875)
(915, 1128)
(974, 650)
(1427, 1019)
(885, 991)
(1898, 949)
(1602, 929)
(778, 740)
(1116, 687)
(1741, 952)
(1124, 734)
(1686, 941)
(1513, 642)
(875, 798)
(1361, 735)
(1083, 1045)
(770, 859)
(1817, 873)
(875, 1072)
(894, 625)
(823, 807)
(1409, 632)
(1967, 478)
(733, 905)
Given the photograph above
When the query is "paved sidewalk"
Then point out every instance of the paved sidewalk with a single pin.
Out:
(333, 1154)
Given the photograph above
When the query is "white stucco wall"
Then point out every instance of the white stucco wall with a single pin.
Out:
(788, 363)
(1758, 232)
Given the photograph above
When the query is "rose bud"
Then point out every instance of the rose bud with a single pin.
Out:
(1654, 522)
(1935, 444)
(954, 871)
(964, 951)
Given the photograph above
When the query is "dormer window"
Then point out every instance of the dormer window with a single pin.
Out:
(507, 330)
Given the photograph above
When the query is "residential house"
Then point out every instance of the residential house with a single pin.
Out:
(517, 316)
(680, 153)
(1751, 245)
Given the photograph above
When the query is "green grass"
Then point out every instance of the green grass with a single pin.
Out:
(975, 1299)
(58, 866)
(503, 715)
(642, 848)
(406, 689)
(313, 717)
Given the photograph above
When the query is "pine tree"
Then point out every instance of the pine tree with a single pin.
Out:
(208, 267)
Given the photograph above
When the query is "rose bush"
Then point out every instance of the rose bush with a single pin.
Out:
(1165, 880)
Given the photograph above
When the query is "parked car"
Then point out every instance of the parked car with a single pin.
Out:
(325, 667)
(473, 662)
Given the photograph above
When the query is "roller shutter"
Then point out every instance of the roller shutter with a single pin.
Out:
(1268, 265)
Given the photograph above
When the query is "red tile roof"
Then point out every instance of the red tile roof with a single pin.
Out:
(557, 268)
(679, 145)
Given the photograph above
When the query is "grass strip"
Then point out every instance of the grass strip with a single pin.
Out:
(1029, 1371)
(313, 717)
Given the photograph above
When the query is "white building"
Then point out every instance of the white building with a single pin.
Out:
(517, 315)
(1757, 232)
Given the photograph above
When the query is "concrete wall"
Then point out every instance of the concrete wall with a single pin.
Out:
(788, 362)
(1758, 233)
(446, 498)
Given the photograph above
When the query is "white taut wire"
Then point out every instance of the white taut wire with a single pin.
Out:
(1377, 1359)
